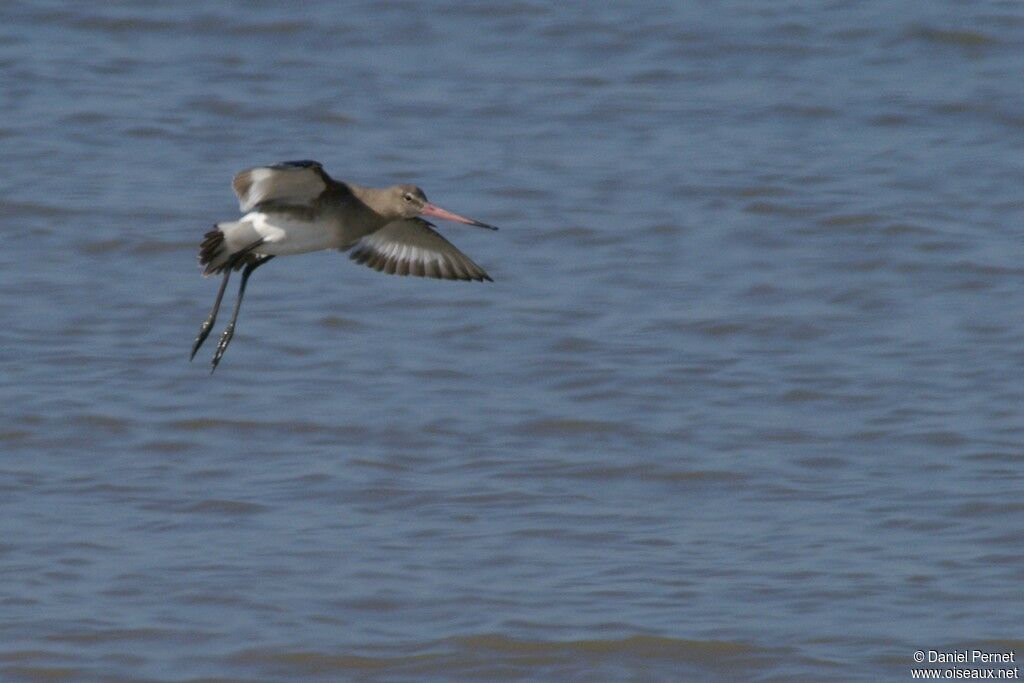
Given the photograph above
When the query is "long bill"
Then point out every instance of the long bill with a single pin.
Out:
(437, 212)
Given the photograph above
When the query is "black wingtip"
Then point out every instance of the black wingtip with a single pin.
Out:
(300, 163)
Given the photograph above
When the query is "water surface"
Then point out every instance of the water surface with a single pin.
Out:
(742, 404)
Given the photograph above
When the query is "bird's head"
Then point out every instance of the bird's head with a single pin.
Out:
(409, 201)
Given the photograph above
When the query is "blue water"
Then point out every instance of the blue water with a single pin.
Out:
(743, 402)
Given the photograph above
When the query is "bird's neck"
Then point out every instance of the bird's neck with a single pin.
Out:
(375, 200)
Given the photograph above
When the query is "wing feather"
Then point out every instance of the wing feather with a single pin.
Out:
(290, 183)
(412, 247)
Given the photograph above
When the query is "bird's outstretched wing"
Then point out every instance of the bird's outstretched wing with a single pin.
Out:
(290, 183)
(412, 247)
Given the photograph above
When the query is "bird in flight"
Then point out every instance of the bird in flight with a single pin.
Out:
(294, 207)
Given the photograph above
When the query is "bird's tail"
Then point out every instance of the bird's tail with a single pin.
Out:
(227, 246)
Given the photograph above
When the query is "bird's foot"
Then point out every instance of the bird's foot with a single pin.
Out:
(222, 346)
(204, 332)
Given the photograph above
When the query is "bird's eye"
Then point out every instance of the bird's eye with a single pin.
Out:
(407, 197)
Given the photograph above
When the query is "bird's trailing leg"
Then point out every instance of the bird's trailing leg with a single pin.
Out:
(204, 329)
(229, 331)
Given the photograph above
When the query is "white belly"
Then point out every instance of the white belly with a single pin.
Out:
(283, 234)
